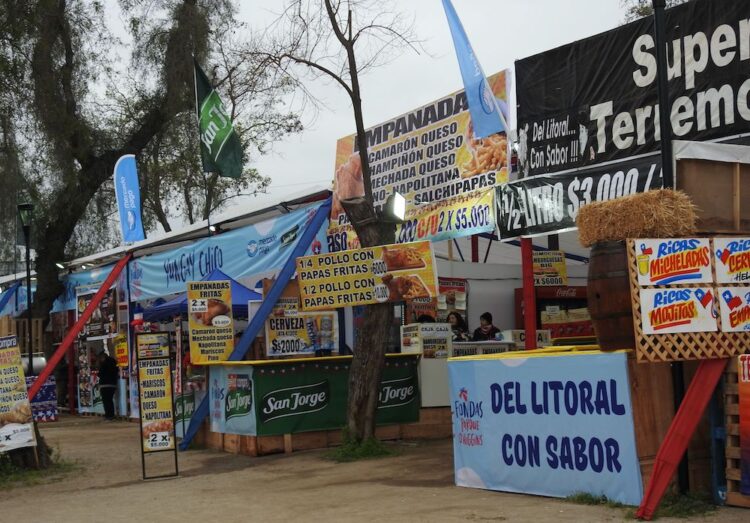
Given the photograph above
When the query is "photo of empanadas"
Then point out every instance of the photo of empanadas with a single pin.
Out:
(401, 258)
(157, 426)
(405, 288)
(215, 308)
(20, 413)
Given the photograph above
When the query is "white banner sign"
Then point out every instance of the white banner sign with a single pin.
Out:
(673, 261)
(667, 311)
(734, 305)
(732, 260)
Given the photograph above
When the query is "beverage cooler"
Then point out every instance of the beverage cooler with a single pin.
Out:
(562, 310)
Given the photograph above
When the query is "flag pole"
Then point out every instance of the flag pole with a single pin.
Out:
(198, 120)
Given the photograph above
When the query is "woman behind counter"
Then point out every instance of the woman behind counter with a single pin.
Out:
(486, 330)
(458, 326)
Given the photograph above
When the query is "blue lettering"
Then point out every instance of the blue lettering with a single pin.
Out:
(519, 450)
(617, 408)
(596, 455)
(602, 401)
(738, 246)
(667, 297)
(675, 246)
(507, 443)
(571, 398)
(508, 392)
(566, 454)
(536, 407)
(551, 446)
(579, 450)
(556, 387)
(613, 452)
(586, 393)
(497, 398)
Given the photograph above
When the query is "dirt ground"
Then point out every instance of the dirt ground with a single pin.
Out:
(415, 485)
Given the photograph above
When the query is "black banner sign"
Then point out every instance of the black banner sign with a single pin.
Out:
(595, 100)
(549, 204)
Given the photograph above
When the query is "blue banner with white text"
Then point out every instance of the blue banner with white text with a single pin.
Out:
(257, 249)
(553, 425)
(128, 195)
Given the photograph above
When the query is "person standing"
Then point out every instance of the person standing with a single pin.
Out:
(486, 330)
(108, 374)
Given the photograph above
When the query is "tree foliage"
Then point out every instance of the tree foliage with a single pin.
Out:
(635, 9)
(76, 94)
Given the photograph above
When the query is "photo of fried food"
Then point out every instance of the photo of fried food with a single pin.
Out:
(488, 154)
(347, 183)
(20, 413)
(157, 426)
(401, 258)
(405, 288)
(215, 308)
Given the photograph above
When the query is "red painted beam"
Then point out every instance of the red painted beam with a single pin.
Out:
(680, 431)
(474, 248)
(529, 292)
(72, 334)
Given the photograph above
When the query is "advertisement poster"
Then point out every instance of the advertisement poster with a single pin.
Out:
(103, 321)
(44, 404)
(231, 404)
(673, 261)
(256, 250)
(16, 427)
(552, 426)
(388, 273)
(431, 157)
(666, 311)
(432, 340)
(743, 385)
(453, 295)
(152, 344)
(157, 416)
(545, 204)
(734, 304)
(605, 102)
(210, 321)
(291, 331)
(121, 350)
(550, 269)
(301, 397)
(732, 260)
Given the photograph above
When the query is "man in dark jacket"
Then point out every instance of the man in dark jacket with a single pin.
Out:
(108, 375)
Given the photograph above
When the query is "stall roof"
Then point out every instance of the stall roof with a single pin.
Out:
(225, 221)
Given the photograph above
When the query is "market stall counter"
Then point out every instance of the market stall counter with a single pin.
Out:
(267, 406)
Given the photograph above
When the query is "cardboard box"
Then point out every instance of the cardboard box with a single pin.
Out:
(518, 336)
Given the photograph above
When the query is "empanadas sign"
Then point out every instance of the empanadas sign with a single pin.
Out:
(388, 273)
(210, 321)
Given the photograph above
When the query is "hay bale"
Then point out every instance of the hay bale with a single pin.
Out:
(653, 214)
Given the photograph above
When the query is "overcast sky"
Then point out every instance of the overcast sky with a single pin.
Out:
(501, 31)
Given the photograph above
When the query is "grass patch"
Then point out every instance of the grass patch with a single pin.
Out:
(351, 450)
(584, 498)
(14, 477)
(685, 506)
(671, 506)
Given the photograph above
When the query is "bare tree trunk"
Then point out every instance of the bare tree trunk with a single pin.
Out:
(39, 457)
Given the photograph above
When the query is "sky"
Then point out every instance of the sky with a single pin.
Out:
(501, 31)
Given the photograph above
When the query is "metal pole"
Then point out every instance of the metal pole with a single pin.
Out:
(665, 123)
(29, 337)
(529, 292)
(665, 129)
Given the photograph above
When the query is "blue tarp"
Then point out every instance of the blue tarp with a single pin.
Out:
(178, 305)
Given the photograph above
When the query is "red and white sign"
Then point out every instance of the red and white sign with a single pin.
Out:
(667, 311)
(732, 260)
(673, 261)
(734, 305)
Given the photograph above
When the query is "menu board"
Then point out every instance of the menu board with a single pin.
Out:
(210, 321)
(16, 426)
(291, 331)
(157, 413)
(549, 269)
(387, 273)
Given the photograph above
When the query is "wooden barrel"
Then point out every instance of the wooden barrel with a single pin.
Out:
(609, 296)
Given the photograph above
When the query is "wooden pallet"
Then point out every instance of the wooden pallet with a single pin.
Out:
(731, 411)
(680, 346)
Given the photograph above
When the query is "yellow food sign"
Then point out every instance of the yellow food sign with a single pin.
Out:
(431, 156)
(157, 416)
(210, 321)
(549, 269)
(16, 427)
(121, 350)
(388, 273)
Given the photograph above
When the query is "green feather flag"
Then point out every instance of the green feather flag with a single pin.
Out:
(221, 150)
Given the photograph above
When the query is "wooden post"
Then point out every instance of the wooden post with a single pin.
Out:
(736, 197)
(529, 292)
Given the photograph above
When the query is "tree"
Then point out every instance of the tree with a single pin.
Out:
(635, 9)
(73, 100)
(340, 40)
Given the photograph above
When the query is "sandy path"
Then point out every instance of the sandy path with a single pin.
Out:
(416, 485)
